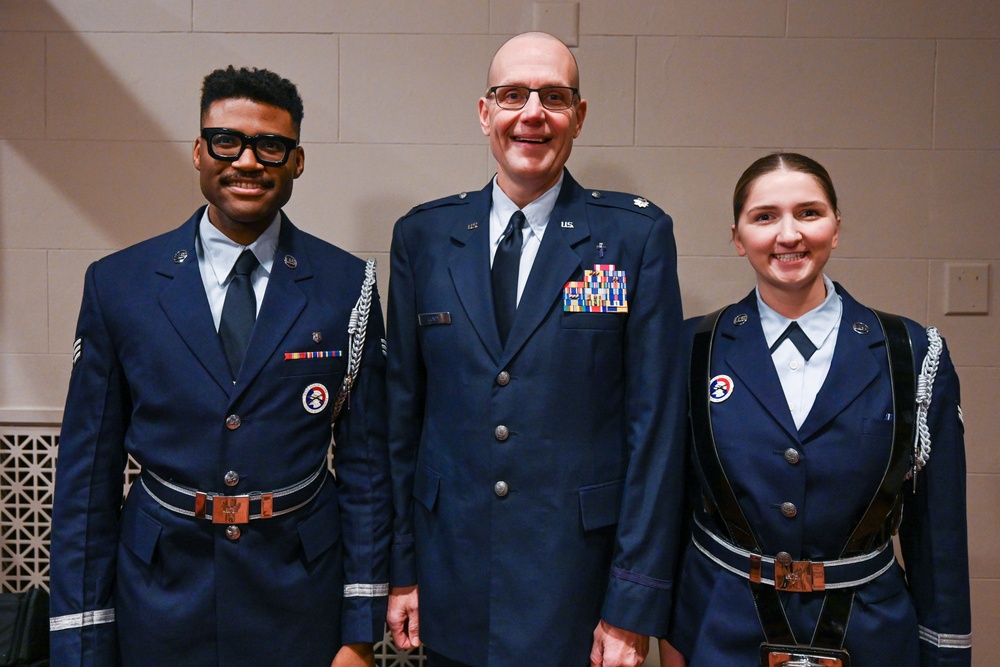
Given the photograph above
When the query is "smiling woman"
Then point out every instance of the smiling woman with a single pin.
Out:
(787, 227)
(804, 405)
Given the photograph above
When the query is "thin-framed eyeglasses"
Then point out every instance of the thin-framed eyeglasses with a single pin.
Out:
(228, 145)
(553, 98)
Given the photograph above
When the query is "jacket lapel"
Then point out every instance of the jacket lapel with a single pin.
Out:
(854, 366)
(556, 263)
(469, 266)
(283, 302)
(185, 304)
(750, 361)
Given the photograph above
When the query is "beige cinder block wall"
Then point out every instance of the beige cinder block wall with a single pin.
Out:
(898, 98)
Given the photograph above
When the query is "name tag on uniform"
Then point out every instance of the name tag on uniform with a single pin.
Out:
(431, 319)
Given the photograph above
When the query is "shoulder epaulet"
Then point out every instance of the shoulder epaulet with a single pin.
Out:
(451, 200)
(624, 201)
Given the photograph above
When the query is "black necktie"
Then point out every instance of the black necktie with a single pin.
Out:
(239, 312)
(795, 333)
(506, 262)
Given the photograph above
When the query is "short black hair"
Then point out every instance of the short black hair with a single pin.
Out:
(250, 83)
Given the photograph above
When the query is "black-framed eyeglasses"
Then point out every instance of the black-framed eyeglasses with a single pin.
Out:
(553, 98)
(228, 145)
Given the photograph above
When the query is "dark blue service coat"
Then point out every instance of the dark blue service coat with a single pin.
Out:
(152, 381)
(920, 617)
(591, 406)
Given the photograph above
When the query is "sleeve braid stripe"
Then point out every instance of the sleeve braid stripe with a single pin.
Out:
(944, 640)
(366, 590)
(87, 618)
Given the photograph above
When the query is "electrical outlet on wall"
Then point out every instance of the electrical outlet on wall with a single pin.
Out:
(967, 288)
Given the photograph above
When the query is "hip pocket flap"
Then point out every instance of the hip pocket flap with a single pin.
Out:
(601, 503)
(320, 531)
(426, 484)
(140, 533)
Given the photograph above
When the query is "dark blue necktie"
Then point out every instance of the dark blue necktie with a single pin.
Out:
(239, 312)
(506, 263)
(795, 333)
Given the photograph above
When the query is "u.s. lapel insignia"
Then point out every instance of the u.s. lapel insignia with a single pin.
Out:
(641, 202)
(601, 291)
(180, 256)
(740, 319)
(861, 328)
(566, 224)
(720, 388)
(473, 225)
(77, 350)
(291, 262)
(315, 398)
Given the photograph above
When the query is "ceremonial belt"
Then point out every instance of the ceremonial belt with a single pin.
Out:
(220, 508)
(831, 628)
(786, 574)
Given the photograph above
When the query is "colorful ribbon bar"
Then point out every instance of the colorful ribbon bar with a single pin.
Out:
(313, 355)
(601, 291)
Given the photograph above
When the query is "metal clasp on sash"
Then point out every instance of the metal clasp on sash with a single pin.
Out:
(798, 576)
(772, 655)
(233, 510)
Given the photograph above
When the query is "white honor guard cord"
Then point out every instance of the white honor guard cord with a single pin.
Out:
(925, 391)
(357, 329)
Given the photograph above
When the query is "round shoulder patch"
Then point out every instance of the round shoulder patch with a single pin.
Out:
(720, 388)
(315, 398)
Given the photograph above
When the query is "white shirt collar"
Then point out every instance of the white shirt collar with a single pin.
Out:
(817, 324)
(536, 213)
(221, 252)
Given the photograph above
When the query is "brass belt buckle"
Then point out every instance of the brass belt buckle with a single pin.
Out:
(798, 576)
(775, 655)
(231, 509)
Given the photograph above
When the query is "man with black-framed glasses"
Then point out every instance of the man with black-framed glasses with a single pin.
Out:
(536, 399)
(219, 356)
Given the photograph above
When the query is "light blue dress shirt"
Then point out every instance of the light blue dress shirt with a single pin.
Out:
(217, 255)
(537, 216)
(801, 380)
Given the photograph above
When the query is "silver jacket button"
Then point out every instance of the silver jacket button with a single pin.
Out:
(233, 532)
(501, 432)
(500, 488)
(503, 379)
(233, 422)
(232, 478)
(783, 558)
(792, 455)
(789, 510)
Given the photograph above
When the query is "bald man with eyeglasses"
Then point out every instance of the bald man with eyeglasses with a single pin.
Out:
(535, 400)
